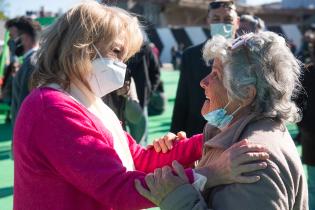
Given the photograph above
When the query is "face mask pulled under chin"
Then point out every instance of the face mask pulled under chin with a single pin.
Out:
(222, 29)
(107, 75)
(219, 117)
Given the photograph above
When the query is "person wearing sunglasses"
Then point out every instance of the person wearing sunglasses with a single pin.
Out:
(222, 20)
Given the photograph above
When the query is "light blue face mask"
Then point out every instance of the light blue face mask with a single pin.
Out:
(219, 117)
(223, 29)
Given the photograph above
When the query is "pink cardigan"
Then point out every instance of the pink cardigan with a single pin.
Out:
(64, 158)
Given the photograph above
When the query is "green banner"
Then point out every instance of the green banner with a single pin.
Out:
(45, 21)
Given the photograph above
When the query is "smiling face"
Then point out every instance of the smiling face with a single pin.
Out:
(215, 93)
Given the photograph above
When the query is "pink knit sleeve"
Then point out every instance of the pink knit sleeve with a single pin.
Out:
(79, 154)
(185, 152)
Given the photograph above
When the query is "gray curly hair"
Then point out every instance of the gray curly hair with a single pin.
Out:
(262, 60)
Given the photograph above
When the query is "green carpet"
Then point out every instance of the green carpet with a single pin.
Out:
(158, 126)
(6, 165)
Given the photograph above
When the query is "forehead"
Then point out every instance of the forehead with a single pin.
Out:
(119, 41)
(221, 12)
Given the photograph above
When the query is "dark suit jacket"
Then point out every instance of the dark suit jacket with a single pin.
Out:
(190, 96)
(306, 102)
(21, 84)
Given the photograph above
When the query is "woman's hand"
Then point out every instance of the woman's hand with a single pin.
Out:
(162, 182)
(234, 162)
(165, 143)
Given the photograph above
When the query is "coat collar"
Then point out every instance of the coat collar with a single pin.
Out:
(216, 138)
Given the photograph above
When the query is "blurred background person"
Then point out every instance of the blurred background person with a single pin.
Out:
(14, 42)
(145, 70)
(305, 53)
(222, 19)
(25, 45)
(156, 52)
(6, 88)
(306, 127)
(174, 50)
(179, 55)
(125, 103)
(250, 23)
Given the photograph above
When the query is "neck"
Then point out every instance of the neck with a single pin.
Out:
(240, 113)
(30, 46)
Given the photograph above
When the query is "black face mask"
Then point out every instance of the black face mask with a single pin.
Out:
(19, 48)
(11, 45)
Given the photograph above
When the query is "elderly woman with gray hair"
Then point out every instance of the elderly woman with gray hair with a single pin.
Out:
(248, 95)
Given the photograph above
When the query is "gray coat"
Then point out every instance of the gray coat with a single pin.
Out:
(282, 185)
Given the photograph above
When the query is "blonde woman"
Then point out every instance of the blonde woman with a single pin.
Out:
(70, 149)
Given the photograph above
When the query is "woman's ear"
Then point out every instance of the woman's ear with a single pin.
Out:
(250, 95)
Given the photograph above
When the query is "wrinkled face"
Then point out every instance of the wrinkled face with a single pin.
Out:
(215, 92)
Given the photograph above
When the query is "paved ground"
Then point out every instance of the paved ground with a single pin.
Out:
(159, 125)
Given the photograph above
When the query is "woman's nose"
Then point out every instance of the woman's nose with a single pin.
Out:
(203, 82)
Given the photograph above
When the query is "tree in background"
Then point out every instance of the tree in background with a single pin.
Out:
(3, 6)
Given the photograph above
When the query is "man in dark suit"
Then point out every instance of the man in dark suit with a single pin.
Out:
(223, 20)
(306, 103)
(25, 45)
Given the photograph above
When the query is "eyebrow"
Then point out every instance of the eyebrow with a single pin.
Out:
(215, 16)
(228, 17)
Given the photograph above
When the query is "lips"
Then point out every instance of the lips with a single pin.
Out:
(207, 101)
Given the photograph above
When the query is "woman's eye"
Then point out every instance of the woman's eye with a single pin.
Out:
(215, 20)
(116, 51)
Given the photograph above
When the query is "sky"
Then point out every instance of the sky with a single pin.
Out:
(18, 7)
(257, 2)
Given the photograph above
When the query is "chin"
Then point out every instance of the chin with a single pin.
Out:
(205, 108)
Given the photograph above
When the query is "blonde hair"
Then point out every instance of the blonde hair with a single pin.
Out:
(66, 47)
